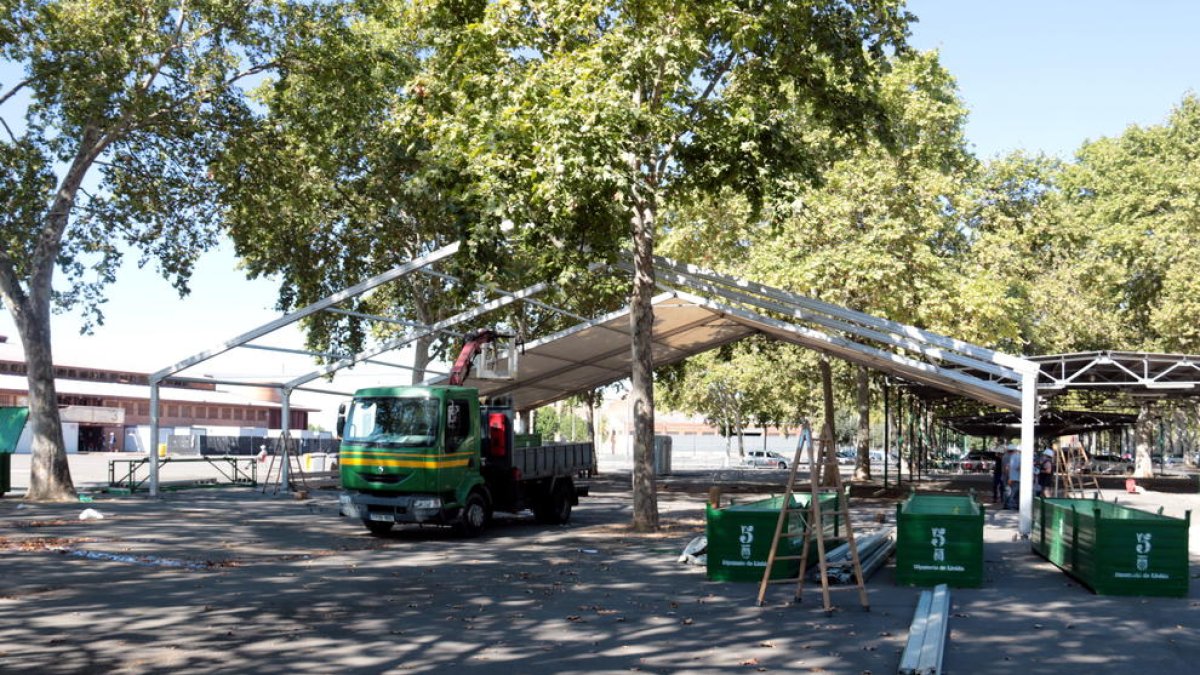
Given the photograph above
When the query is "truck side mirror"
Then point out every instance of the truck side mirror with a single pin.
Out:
(341, 419)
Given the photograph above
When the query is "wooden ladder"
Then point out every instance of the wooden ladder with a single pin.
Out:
(1069, 483)
(825, 467)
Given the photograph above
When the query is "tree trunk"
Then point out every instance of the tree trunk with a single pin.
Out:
(49, 472)
(737, 420)
(590, 399)
(828, 455)
(641, 317)
(862, 464)
(422, 345)
(558, 422)
(420, 359)
(1144, 430)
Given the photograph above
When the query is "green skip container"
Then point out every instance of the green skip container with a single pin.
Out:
(739, 536)
(1114, 549)
(939, 540)
(12, 422)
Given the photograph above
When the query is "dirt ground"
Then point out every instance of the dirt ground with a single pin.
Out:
(234, 580)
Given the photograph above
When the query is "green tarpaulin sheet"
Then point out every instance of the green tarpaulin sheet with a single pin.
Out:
(12, 421)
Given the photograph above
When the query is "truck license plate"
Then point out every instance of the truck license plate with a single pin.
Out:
(385, 517)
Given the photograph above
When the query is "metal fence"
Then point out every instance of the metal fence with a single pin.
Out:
(245, 445)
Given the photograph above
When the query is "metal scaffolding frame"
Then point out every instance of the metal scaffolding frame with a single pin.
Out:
(301, 383)
(1142, 373)
(712, 309)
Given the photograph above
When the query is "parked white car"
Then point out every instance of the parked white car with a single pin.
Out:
(767, 458)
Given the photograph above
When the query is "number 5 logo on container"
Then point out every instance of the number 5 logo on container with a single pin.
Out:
(1143, 545)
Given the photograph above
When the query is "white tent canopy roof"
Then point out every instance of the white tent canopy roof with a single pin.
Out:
(597, 353)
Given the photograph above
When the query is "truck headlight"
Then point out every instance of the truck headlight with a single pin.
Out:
(427, 503)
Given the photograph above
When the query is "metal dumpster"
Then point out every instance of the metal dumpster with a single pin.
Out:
(939, 540)
(739, 536)
(12, 422)
(1114, 549)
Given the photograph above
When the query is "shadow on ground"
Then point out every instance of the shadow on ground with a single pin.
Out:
(231, 580)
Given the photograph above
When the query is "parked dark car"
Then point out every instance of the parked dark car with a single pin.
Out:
(978, 461)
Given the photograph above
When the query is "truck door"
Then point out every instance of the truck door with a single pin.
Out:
(460, 458)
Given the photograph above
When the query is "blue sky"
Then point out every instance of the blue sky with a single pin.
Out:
(1046, 76)
(1038, 76)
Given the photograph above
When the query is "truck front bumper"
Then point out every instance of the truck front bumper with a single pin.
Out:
(393, 509)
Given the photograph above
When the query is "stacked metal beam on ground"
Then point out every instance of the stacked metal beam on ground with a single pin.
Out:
(927, 636)
(873, 550)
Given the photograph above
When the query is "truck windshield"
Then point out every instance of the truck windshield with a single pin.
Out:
(398, 421)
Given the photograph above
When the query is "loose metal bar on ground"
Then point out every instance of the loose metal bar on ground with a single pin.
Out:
(927, 635)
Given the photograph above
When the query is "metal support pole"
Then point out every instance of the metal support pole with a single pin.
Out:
(153, 440)
(887, 423)
(1162, 447)
(913, 449)
(899, 436)
(284, 424)
(1028, 420)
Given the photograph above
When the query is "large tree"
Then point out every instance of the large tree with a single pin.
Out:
(590, 120)
(1132, 202)
(352, 169)
(877, 233)
(107, 134)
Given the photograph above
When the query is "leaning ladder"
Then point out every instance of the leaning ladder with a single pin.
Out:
(1069, 483)
(826, 466)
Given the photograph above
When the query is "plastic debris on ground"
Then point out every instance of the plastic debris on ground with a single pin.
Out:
(91, 514)
(695, 553)
(147, 560)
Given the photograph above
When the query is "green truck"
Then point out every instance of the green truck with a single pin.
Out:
(435, 455)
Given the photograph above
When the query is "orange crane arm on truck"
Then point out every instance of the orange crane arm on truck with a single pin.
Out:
(462, 365)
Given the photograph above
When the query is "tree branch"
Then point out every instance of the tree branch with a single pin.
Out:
(166, 53)
(9, 130)
(10, 285)
(18, 87)
(45, 253)
(715, 80)
(200, 96)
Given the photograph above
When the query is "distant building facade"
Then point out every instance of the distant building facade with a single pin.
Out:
(109, 410)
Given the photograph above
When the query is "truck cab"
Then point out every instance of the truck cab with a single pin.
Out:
(435, 455)
(412, 454)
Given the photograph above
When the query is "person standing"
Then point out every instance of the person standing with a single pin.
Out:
(998, 475)
(1014, 478)
(1045, 474)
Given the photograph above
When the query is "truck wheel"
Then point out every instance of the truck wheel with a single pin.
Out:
(378, 527)
(475, 516)
(555, 508)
